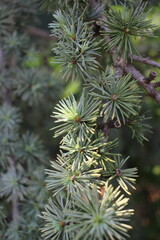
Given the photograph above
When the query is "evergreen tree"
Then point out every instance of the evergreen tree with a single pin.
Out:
(25, 79)
(89, 181)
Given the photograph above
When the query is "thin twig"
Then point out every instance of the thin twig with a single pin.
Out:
(146, 61)
(149, 87)
(151, 77)
(15, 207)
(40, 33)
(157, 84)
(1, 60)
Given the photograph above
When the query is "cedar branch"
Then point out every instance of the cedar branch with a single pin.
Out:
(121, 66)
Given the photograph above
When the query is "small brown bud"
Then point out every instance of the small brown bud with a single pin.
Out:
(153, 74)
(62, 224)
(73, 37)
(103, 188)
(118, 172)
(151, 77)
(114, 97)
(74, 61)
(78, 119)
(126, 30)
(72, 178)
(117, 124)
(80, 150)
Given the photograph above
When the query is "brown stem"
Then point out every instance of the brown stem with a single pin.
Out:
(1, 60)
(37, 32)
(149, 87)
(15, 208)
(146, 61)
(107, 126)
(151, 77)
(155, 85)
(106, 131)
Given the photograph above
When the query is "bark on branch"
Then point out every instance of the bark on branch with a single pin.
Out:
(146, 61)
(149, 87)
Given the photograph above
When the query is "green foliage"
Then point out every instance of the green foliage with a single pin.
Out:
(30, 150)
(121, 96)
(22, 184)
(7, 147)
(124, 177)
(5, 21)
(100, 218)
(84, 204)
(11, 13)
(55, 218)
(86, 216)
(74, 116)
(122, 25)
(14, 231)
(5, 81)
(82, 150)
(77, 49)
(88, 149)
(50, 6)
(18, 229)
(10, 118)
(2, 216)
(139, 128)
(16, 43)
(37, 188)
(32, 85)
(13, 184)
(69, 176)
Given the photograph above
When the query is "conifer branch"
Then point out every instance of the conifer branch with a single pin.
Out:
(141, 80)
(121, 65)
(22, 191)
(85, 162)
(7, 100)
